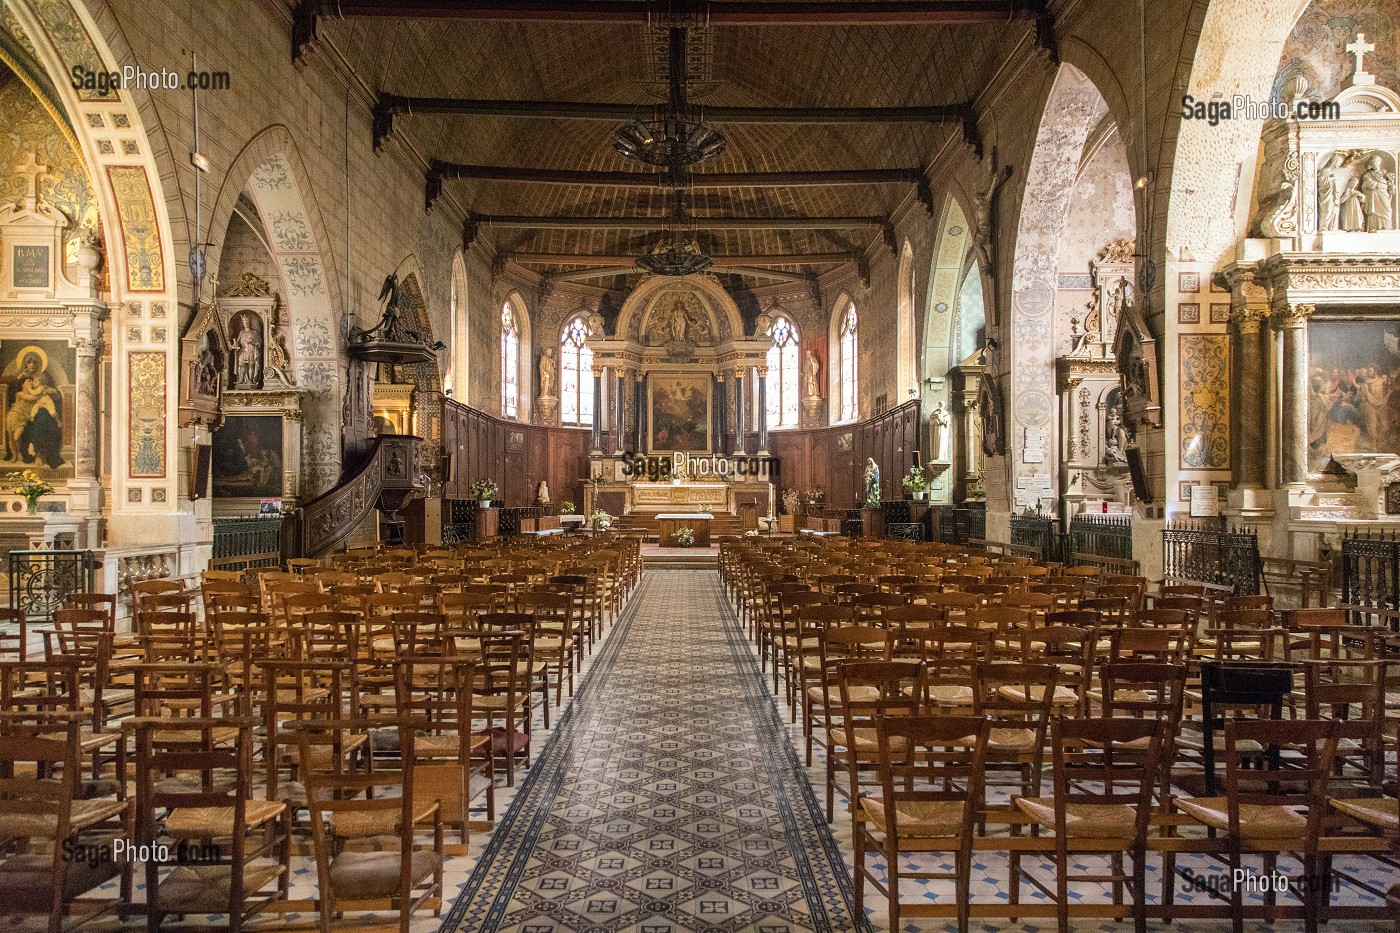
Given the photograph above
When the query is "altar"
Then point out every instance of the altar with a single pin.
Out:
(671, 522)
(680, 497)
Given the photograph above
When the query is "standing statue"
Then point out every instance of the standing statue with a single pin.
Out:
(810, 386)
(547, 370)
(247, 349)
(1376, 188)
(938, 422)
(982, 207)
(1327, 207)
(872, 483)
(679, 321)
(1353, 208)
(542, 494)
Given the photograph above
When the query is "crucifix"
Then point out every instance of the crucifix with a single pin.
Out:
(31, 170)
(1360, 48)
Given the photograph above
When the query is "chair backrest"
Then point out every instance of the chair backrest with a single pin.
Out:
(924, 759)
(1107, 761)
(1292, 770)
(874, 689)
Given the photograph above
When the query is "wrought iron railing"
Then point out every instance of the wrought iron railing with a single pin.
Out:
(510, 518)
(245, 543)
(1210, 553)
(1371, 576)
(1036, 535)
(960, 524)
(1101, 540)
(40, 581)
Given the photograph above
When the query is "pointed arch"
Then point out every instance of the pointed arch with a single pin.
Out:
(906, 365)
(844, 353)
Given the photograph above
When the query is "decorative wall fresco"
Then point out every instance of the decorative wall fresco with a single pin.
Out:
(145, 262)
(1353, 402)
(30, 131)
(1316, 49)
(1205, 401)
(146, 371)
(38, 401)
(75, 48)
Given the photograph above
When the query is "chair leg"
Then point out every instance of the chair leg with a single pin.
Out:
(1236, 898)
(1139, 890)
(1062, 884)
(964, 887)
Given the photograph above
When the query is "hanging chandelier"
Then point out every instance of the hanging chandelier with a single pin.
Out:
(679, 255)
(674, 138)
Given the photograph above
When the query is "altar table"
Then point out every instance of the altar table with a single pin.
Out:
(671, 522)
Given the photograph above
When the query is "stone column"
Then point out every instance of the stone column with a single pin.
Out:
(762, 414)
(1292, 320)
(722, 416)
(620, 412)
(1249, 385)
(638, 403)
(597, 412)
(87, 417)
(739, 446)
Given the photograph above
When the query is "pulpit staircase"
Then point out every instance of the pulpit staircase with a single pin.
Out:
(385, 478)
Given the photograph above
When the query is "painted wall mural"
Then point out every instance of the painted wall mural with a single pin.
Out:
(74, 46)
(145, 262)
(38, 399)
(30, 131)
(146, 370)
(1353, 403)
(1205, 401)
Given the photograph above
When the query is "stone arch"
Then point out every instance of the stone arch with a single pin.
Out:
(270, 171)
(1074, 108)
(725, 313)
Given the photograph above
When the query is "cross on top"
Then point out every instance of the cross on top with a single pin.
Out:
(1360, 48)
(31, 170)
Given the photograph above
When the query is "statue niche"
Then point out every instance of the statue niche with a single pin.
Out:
(678, 324)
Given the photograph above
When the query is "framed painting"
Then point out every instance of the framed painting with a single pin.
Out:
(38, 401)
(1353, 398)
(678, 413)
(248, 457)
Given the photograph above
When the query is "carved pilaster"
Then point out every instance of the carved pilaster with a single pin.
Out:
(1292, 320)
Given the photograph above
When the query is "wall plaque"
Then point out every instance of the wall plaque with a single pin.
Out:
(30, 266)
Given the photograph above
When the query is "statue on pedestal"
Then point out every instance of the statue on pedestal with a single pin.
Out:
(872, 483)
(548, 369)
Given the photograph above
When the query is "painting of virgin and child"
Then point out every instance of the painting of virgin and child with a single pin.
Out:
(36, 396)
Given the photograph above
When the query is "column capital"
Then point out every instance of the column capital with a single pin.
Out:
(1247, 320)
(1290, 316)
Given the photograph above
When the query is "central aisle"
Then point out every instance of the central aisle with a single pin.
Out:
(668, 799)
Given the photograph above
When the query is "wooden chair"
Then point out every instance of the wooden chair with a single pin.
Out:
(1017, 697)
(1104, 774)
(870, 691)
(930, 777)
(194, 789)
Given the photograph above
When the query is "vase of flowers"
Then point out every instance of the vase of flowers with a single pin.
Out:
(566, 508)
(29, 485)
(485, 491)
(915, 482)
(600, 520)
(685, 537)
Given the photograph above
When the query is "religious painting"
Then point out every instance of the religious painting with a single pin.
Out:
(245, 337)
(1353, 405)
(248, 457)
(1205, 401)
(146, 400)
(37, 397)
(679, 414)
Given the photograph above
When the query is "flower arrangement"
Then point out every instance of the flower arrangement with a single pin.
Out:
(977, 489)
(812, 500)
(792, 500)
(31, 487)
(485, 490)
(566, 508)
(685, 537)
(915, 481)
(600, 520)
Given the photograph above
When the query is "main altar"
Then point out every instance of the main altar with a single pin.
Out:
(682, 382)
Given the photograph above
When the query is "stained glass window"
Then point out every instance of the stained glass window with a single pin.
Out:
(847, 370)
(510, 363)
(576, 378)
(783, 374)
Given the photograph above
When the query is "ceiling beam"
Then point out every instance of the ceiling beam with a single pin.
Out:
(547, 222)
(627, 262)
(388, 105)
(439, 171)
(776, 275)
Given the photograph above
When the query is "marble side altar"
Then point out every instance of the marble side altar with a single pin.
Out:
(679, 497)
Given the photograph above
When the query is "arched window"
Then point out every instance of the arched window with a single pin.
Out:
(846, 362)
(457, 368)
(576, 374)
(510, 362)
(782, 374)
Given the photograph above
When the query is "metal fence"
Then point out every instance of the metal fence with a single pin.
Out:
(958, 525)
(1371, 575)
(509, 523)
(1206, 552)
(245, 543)
(1101, 540)
(40, 581)
(1035, 536)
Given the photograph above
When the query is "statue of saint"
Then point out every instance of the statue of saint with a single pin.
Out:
(938, 422)
(247, 349)
(872, 482)
(542, 494)
(1376, 189)
(547, 371)
(679, 321)
(811, 388)
(1327, 206)
(1353, 208)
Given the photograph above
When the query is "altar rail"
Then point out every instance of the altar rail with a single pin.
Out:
(246, 543)
(1035, 536)
(1371, 577)
(40, 581)
(1201, 552)
(1102, 540)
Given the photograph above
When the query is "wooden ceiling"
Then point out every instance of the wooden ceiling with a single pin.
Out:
(504, 95)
